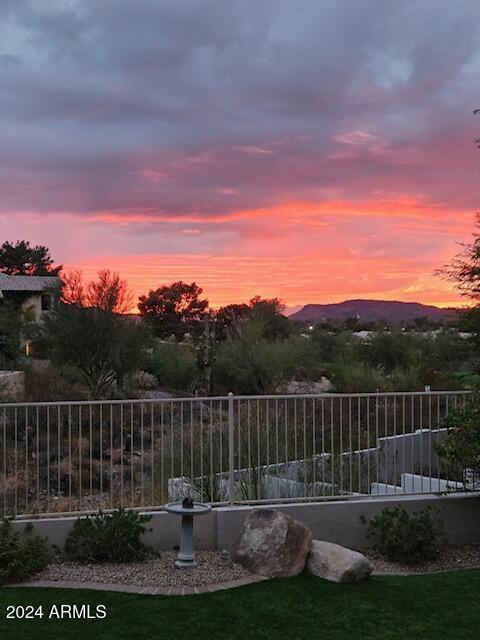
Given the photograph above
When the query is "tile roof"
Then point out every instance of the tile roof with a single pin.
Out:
(27, 283)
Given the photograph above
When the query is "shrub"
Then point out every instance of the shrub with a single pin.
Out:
(104, 537)
(406, 538)
(353, 377)
(462, 442)
(21, 556)
(174, 366)
(255, 364)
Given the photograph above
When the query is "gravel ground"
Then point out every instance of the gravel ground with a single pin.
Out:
(462, 557)
(153, 572)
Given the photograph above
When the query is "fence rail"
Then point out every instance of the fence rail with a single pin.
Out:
(63, 457)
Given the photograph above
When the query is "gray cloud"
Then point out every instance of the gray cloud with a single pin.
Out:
(213, 106)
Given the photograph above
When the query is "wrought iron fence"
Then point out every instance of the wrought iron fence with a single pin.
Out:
(84, 456)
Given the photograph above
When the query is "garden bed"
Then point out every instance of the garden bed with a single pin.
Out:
(450, 558)
(154, 571)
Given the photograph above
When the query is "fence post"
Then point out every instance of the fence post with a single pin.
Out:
(231, 470)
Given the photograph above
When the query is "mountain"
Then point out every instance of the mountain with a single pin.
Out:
(291, 310)
(390, 311)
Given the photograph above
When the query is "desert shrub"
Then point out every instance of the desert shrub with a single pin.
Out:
(406, 538)
(393, 350)
(353, 377)
(174, 365)
(142, 380)
(45, 382)
(113, 537)
(407, 379)
(324, 343)
(255, 364)
(21, 555)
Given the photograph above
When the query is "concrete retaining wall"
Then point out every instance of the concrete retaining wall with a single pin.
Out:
(340, 522)
(335, 521)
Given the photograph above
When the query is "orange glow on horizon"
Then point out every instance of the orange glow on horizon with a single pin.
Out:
(299, 251)
(226, 280)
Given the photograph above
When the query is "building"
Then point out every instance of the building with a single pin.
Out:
(38, 293)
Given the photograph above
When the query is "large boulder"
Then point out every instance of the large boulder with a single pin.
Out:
(336, 563)
(272, 544)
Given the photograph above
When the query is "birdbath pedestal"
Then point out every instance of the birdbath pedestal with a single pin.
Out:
(186, 555)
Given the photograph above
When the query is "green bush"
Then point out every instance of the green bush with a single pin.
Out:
(355, 377)
(406, 538)
(255, 364)
(462, 442)
(174, 366)
(21, 556)
(395, 350)
(105, 537)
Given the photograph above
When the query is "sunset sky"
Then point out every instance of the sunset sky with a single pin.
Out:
(312, 150)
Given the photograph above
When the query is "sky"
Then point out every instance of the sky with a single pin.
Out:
(314, 151)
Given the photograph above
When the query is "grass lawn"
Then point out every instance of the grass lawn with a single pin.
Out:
(442, 606)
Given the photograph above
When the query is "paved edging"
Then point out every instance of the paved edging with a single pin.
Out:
(151, 591)
(185, 590)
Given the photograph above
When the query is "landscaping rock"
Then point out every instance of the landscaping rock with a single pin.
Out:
(324, 385)
(273, 544)
(336, 563)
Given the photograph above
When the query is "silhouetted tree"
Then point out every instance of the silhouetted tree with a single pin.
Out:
(21, 259)
(229, 320)
(73, 288)
(108, 292)
(464, 268)
(103, 346)
(174, 309)
(268, 312)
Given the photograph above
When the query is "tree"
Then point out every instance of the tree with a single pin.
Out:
(103, 346)
(16, 323)
(229, 320)
(351, 324)
(268, 312)
(73, 288)
(464, 272)
(10, 332)
(20, 259)
(109, 292)
(175, 309)
(464, 269)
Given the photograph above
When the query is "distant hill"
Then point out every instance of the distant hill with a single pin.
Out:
(390, 311)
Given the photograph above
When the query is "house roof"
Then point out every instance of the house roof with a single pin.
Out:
(28, 283)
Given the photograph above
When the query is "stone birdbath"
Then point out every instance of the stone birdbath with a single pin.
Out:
(187, 509)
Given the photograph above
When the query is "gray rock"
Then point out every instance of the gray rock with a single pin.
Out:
(324, 385)
(272, 544)
(336, 563)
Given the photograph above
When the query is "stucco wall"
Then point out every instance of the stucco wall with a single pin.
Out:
(336, 521)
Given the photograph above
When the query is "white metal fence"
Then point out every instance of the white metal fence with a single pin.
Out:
(83, 456)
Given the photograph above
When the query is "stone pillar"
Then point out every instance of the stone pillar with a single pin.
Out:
(186, 555)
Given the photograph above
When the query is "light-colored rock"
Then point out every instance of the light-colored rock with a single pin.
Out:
(336, 563)
(12, 386)
(324, 385)
(272, 544)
